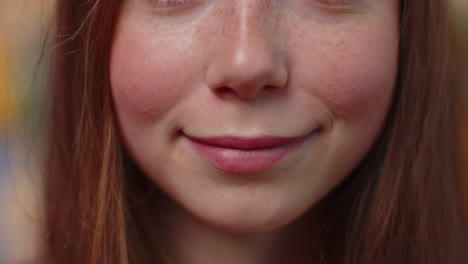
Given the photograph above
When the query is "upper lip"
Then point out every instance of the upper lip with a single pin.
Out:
(235, 142)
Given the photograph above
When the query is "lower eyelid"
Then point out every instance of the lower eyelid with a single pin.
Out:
(335, 2)
(170, 3)
(179, 5)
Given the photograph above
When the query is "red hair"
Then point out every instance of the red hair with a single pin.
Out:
(402, 204)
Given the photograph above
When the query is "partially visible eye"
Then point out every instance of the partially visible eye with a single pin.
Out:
(170, 3)
(335, 2)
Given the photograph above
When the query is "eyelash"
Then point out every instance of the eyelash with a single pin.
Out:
(175, 3)
(171, 3)
(334, 2)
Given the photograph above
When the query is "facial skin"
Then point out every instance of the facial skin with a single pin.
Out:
(252, 68)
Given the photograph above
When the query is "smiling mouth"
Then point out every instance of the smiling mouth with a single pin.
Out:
(245, 155)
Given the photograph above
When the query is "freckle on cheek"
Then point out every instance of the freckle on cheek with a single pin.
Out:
(353, 90)
(144, 101)
(143, 86)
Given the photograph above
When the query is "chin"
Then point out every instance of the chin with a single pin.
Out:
(247, 214)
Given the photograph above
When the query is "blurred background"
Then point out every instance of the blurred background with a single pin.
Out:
(24, 25)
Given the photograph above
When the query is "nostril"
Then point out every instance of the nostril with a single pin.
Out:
(225, 92)
(270, 88)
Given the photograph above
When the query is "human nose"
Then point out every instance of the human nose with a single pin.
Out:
(247, 62)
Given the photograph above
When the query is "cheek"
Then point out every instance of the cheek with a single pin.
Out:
(146, 76)
(356, 74)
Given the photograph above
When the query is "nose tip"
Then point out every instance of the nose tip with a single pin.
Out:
(246, 60)
(247, 74)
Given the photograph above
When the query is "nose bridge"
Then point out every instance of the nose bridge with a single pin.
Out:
(246, 60)
(248, 34)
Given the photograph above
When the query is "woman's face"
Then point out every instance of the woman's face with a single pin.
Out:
(247, 112)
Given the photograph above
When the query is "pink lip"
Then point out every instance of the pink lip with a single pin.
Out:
(245, 155)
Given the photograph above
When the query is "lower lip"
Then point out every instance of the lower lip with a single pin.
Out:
(245, 160)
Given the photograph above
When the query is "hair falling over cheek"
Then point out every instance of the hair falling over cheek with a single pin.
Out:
(401, 204)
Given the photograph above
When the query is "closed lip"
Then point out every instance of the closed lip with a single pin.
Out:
(245, 154)
(246, 143)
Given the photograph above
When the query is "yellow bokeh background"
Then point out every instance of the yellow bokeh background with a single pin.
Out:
(23, 26)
